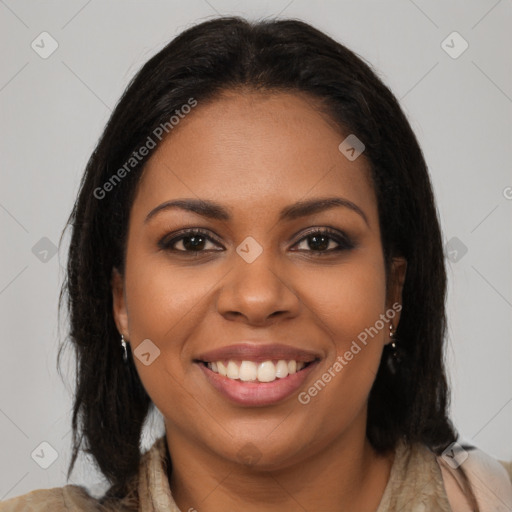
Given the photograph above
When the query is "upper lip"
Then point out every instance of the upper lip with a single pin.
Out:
(258, 352)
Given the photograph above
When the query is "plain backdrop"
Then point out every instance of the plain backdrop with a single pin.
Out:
(54, 109)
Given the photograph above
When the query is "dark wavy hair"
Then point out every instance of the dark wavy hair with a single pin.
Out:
(230, 53)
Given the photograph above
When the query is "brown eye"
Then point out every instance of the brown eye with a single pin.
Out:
(325, 241)
(189, 241)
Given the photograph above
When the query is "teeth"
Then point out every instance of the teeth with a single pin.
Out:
(267, 371)
(248, 371)
(282, 369)
(221, 368)
(233, 371)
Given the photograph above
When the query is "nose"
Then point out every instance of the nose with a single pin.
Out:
(257, 293)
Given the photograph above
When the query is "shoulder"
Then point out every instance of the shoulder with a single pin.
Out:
(58, 499)
(490, 480)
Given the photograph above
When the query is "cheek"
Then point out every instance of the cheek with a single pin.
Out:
(349, 298)
(163, 304)
(349, 303)
(161, 296)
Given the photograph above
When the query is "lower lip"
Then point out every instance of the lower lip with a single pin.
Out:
(254, 394)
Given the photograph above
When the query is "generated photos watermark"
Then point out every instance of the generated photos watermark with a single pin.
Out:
(342, 360)
(137, 156)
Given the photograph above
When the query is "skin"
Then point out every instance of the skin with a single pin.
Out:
(256, 153)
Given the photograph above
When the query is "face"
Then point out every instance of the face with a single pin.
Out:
(266, 278)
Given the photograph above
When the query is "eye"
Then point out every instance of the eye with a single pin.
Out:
(325, 241)
(194, 240)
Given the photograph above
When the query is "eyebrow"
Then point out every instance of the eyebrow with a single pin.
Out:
(213, 210)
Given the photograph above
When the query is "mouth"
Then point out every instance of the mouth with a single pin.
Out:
(257, 375)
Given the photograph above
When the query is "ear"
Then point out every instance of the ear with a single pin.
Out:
(119, 303)
(395, 286)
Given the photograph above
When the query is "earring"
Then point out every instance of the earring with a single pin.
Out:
(125, 352)
(396, 356)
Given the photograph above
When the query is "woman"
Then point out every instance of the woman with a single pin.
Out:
(256, 253)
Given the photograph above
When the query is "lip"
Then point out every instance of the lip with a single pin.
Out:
(258, 353)
(257, 394)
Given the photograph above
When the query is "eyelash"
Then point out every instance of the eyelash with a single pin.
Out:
(344, 242)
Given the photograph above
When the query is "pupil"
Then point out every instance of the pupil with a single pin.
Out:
(193, 242)
(321, 242)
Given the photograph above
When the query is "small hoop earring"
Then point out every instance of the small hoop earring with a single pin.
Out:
(125, 352)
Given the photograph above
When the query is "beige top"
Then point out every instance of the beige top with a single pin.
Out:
(415, 484)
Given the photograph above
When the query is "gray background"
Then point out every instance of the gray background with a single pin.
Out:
(53, 111)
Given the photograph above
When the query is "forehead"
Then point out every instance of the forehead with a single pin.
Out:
(255, 150)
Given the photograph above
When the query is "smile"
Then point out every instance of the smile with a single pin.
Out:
(257, 374)
(256, 393)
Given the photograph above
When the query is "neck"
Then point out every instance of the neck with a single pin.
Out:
(345, 475)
